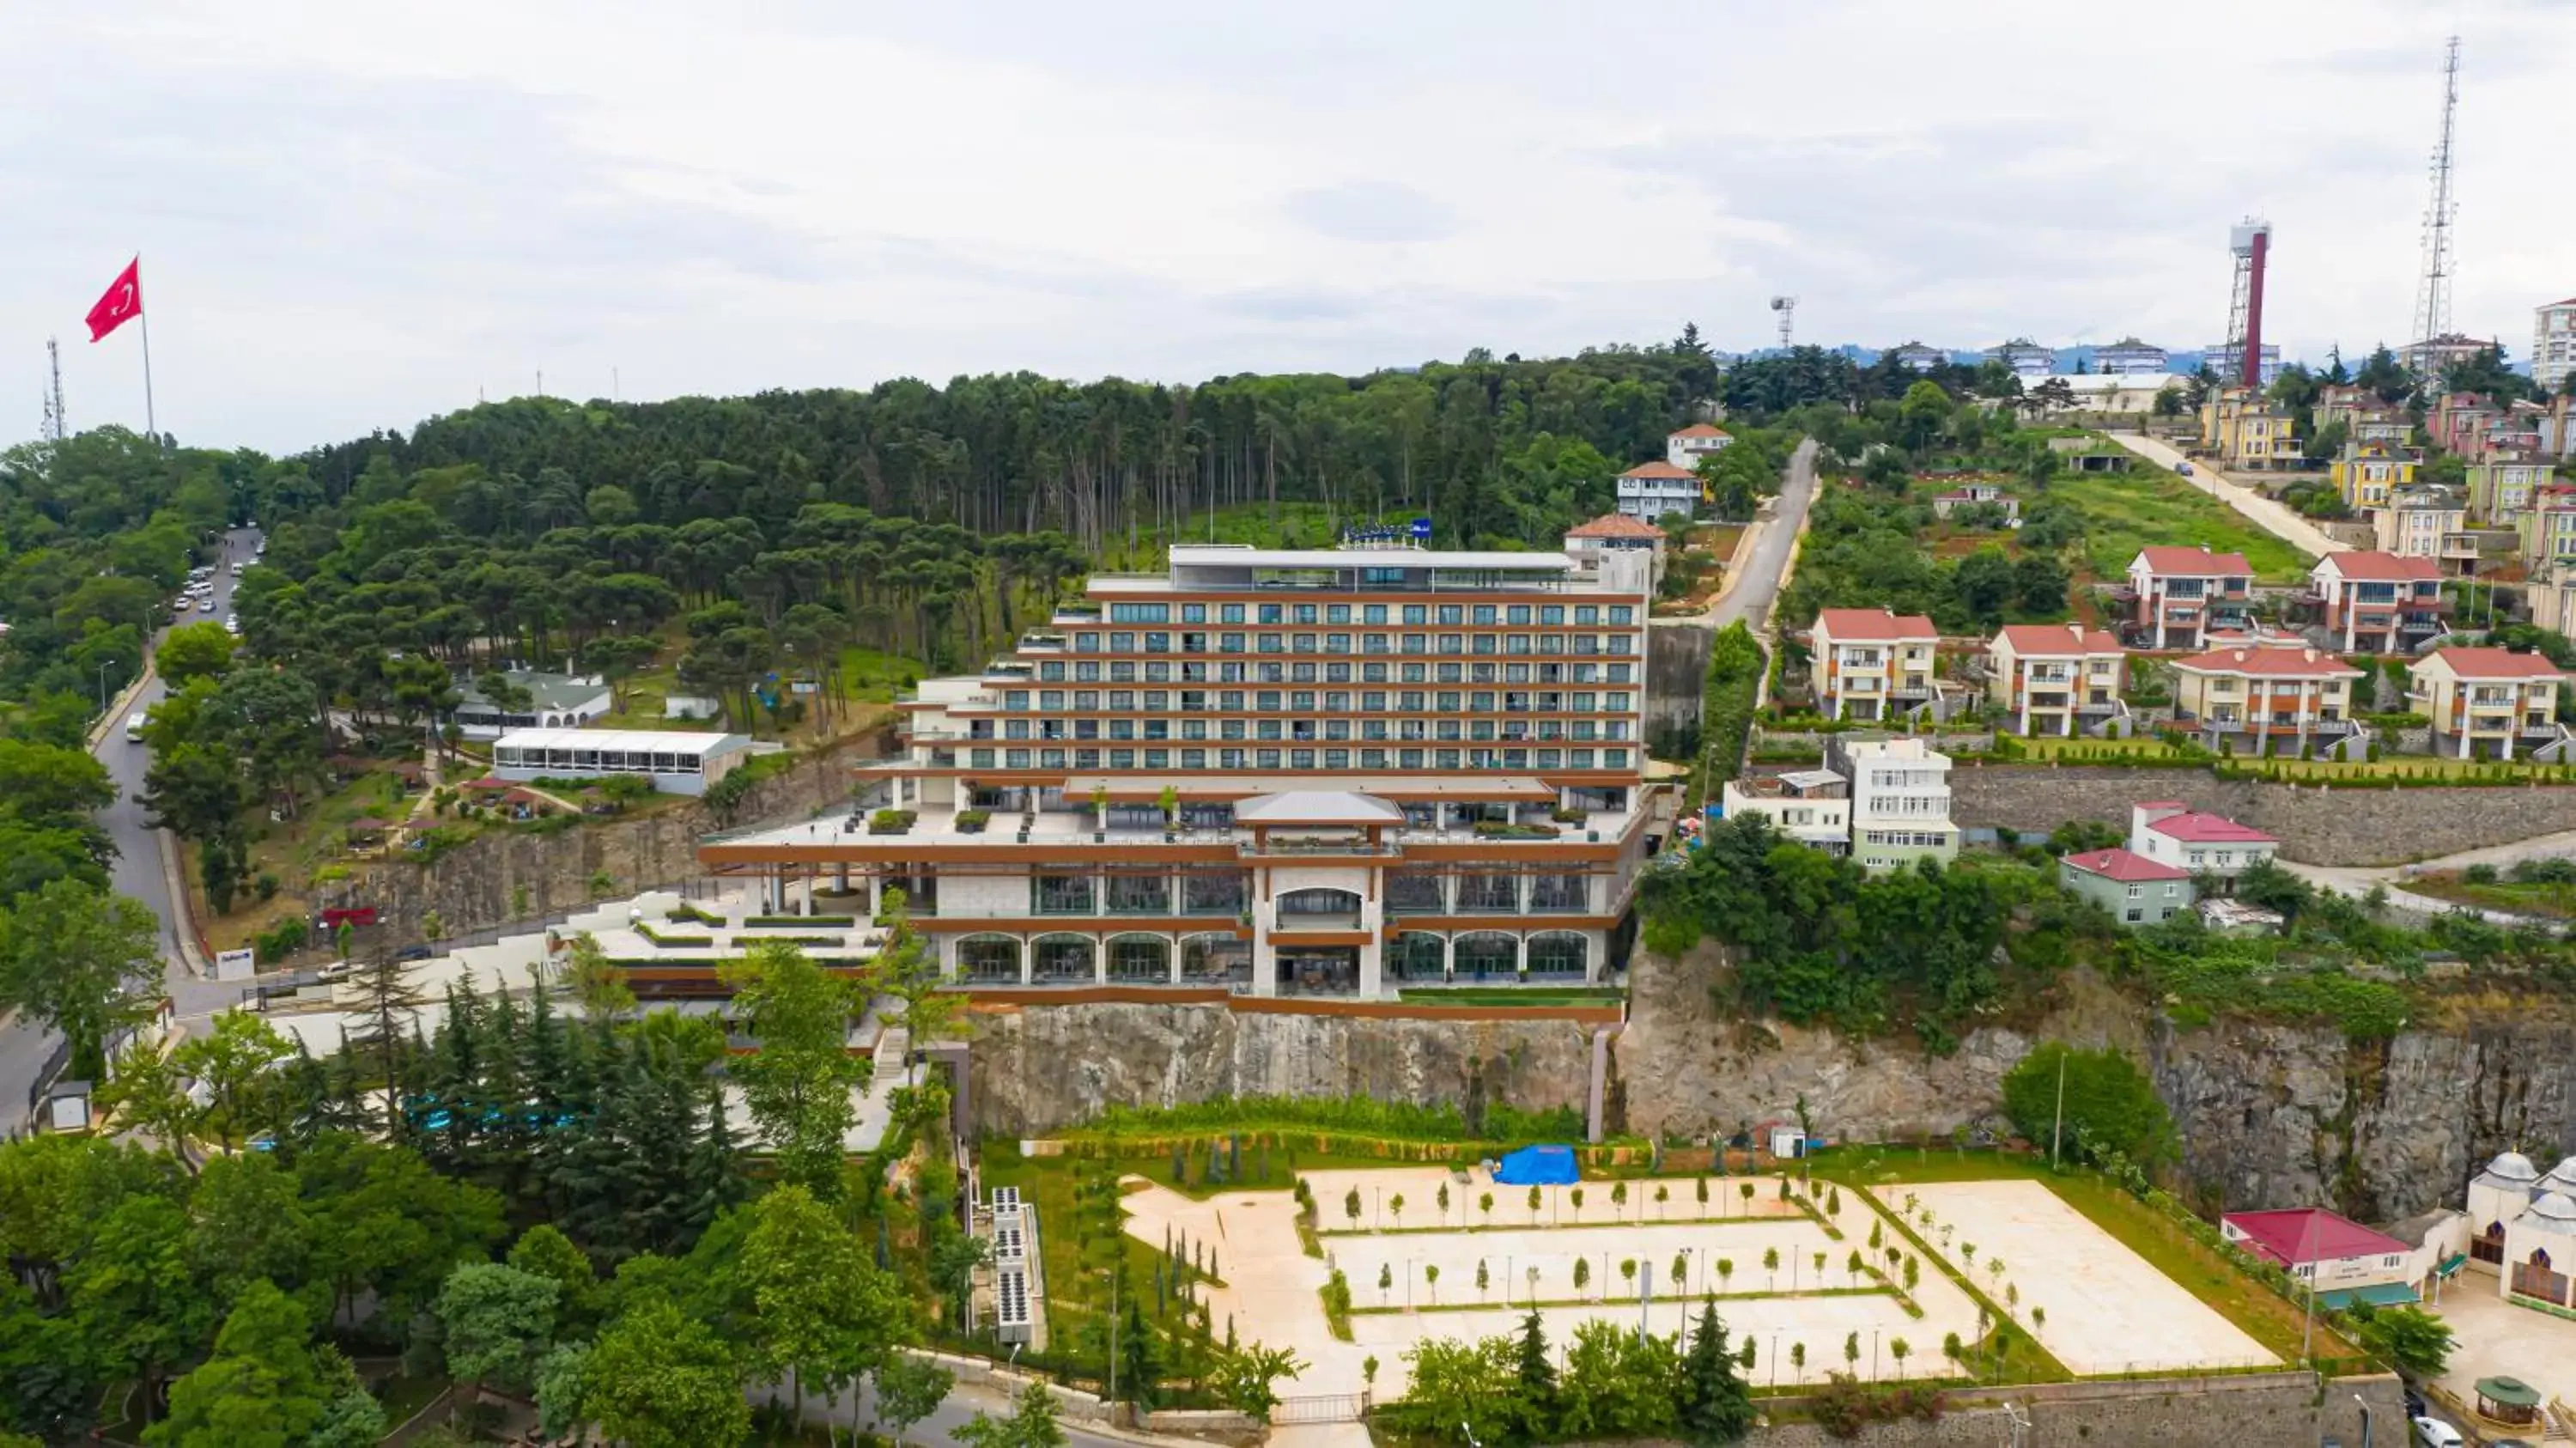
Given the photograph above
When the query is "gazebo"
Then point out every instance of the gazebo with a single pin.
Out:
(2508, 1400)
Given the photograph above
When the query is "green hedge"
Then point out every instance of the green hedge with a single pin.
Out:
(1735, 667)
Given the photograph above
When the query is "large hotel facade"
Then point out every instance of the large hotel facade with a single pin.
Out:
(1282, 772)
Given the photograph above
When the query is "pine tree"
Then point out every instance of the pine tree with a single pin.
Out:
(1537, 1377)
(1716, 1406)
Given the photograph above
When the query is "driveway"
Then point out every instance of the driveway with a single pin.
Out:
(1750, 594)
(2357, 880)
(2274, 519)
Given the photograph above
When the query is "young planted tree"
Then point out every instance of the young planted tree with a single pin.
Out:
(1701, 1187)
(1395, 1204)
(1485, 1207)
(1663, 1194)
(1618, 1198)
(798, 1085)
(1771, 1268)
(1351, 1207)
(1431, 1280)
(1442, 1201)
(1725, 1274)
(1533, 1206)
(1745, 1190)
(1582, 1274)
(1483, 1279)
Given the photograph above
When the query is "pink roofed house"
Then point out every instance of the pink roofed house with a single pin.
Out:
(2179, 592)
(2135, 889)
(2172, 833)
(2339, 1259)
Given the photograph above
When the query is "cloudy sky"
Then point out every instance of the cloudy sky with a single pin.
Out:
(355, 215)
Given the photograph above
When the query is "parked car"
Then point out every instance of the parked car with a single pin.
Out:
(205, 605)
(2434, 1433)
(2183, 468)
(413, 952)
(2415, 1405)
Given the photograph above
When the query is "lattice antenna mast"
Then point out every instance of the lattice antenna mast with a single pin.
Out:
(1787, 307)
(2251, 244)
(56, 425)
(2433, 293)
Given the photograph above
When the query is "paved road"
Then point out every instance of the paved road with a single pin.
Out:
(137, 870)
(2357, 880)
(1749, 596)
(2274, 519)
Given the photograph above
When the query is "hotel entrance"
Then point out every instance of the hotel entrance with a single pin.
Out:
(1319, 970)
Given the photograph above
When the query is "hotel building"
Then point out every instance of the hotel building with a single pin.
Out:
(1313, 772)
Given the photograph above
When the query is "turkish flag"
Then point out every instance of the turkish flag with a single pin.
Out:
(123, 302)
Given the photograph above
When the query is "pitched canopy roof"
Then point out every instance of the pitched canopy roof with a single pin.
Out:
(1850, 625)
(2268, 663)
(2311, 1234)
(2053, 640)
(1615, 525)
(2194, 562)
(2380, 567)
(2494, 663)
(1317, 807)
(2125, 867)
(1702, 429)
(2208, 829)
(1658, 469)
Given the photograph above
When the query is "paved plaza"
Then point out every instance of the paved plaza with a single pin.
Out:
(2108, 1310)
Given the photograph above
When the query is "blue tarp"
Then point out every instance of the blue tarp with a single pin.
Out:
(1538, 1166)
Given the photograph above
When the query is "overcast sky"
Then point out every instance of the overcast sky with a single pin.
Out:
(353, 216)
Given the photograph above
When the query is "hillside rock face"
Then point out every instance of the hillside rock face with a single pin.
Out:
(1039, 1068)
(2268, 1115)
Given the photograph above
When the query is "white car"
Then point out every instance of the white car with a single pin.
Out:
(232, 624)
(2434, 1433)
(205, 605)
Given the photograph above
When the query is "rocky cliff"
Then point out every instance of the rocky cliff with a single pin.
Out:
(1038, 1068)
(2268, 1115)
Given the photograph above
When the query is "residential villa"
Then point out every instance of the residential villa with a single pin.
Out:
(2427, 521)
(2268, 693)
(2502, 486)
(1973, 493)
(2048, 678)
(2522, 1228)
(2547, 533)
(1685, 448)
(1591, 544)
(1314, 772)
(1811, 806)
(2135, 889)
(1915, 357)
(2172, 833)
(1870, 663)
(2433, 356)
(1650, 491)
(2247, 433)
(2377, 603)
(1900, 792)
(2366, 472)
(2179, 593)
(2482, 700)
(2130, 357)
(2024, 358)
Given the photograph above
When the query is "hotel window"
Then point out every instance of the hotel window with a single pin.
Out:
(1194, 613)
(1586, 613)
(1229, 759)
(1270, 643)
(1486, 613)
(1305, 613)
(1408, 759)
(1551, 613)
(1266, 758)
(1373, 613)
(1122, 759)
(1337, 613)
(1417, 613)
(1518, 613)
(1051, 700)
(1273, 613)
(1193, 759)
(1122, 671)
(1015, 759)
(1453, 613)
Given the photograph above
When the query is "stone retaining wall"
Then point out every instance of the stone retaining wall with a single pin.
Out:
(2317, 824)
(2287, 1410)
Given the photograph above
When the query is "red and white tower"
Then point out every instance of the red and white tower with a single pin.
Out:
(2251, 244)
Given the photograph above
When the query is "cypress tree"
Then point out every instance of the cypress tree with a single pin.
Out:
(1716, 1406)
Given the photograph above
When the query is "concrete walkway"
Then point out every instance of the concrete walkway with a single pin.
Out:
(2274, 519)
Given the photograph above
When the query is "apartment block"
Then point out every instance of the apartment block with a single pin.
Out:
(2502, 486)
(2268, 693)
(1871, 663)
(2483, 700)
(2547, 533)
(1900, 800)
(2377, 603)
(1315, 772)
(2177, 595)
(2553, 344)
(2050, 678)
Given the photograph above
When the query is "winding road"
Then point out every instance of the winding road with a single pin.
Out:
(138, 869)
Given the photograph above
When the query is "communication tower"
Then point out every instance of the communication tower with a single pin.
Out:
(2251, 244)
(2433, 291)
(1787, 307)
(55, 424)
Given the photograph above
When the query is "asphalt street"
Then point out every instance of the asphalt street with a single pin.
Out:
(1751, 595)
(137, 870)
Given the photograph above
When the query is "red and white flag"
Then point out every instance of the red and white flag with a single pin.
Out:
(123, 302)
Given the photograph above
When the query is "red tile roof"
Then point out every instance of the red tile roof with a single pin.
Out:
(1615, 525)
(2124, 866)
(2491, 663)
(1701, 429)
(1857, 625)
(2209, 829)
(2381, 567)
(2299, 1235)
(2269, 664)
(2059, 640)
(2195, 562)
(1658, 469)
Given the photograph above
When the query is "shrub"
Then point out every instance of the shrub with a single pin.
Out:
(2479, 874)
(890, 821)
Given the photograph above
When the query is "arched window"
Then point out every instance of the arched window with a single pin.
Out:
(1296, 904)
(1484, 955)
(1216, 960)
(1559, 953)
(1140, 959)
(1063, 959)
(989, 959)
(1417, 955)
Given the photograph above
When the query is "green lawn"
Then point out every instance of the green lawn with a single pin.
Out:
(2265, 1316)
(2522, 898)
(2126, 512)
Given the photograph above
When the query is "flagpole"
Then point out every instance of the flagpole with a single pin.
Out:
(150, 424)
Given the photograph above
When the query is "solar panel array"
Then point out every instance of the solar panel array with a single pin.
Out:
(1011, 1298)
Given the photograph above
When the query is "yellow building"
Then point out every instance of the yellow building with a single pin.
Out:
(2367, 471)
(2246, 433)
